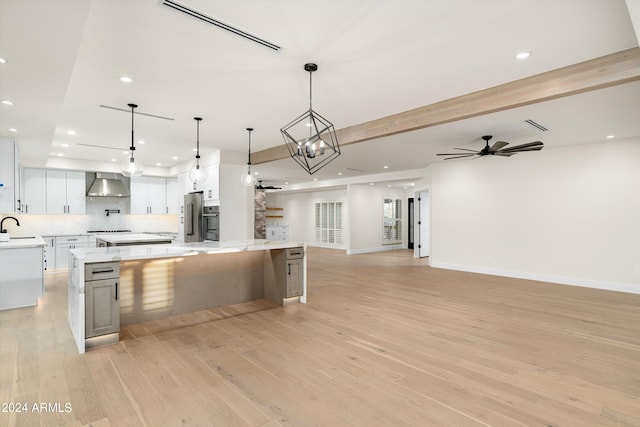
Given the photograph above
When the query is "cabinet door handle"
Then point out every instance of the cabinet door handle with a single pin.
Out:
(289, 266)
(102, 271)
(117, 291)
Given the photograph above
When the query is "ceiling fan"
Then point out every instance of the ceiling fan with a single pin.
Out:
(497, 149)
(266, 187)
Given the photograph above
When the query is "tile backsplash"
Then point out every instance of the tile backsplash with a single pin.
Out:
(95, 219)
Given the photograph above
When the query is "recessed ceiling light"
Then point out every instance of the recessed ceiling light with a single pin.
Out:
(339, 173)
(371, 183)
(65, 145)
(175, 157)
(413, 184)
(125, 79)
(12, 130)
(3, 61)
(523, 55)
(610, 136)
(286, 182)
(315, 179)
(158, 164)
(386, 167)
(71, 132)
(60, 155)
(141, 142)
(404, 187)
(389, 185)
(125, 152)
(113, 160)
(194, 150)
(7, 102)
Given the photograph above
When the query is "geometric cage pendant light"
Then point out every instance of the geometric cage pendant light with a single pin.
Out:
(310, 138)
(196, 173)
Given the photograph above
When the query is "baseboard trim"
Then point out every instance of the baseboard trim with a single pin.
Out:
(562, 280)
(372, 250)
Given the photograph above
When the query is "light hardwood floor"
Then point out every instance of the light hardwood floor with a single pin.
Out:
(384, 341)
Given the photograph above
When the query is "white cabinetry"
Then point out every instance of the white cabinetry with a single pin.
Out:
(21, 277)
(148, 195)
(66, 243)
(278, 232)
(9, 177)
(173, 199)
(34, 194)
(65, 192)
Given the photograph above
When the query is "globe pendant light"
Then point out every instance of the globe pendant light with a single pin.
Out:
(248, 179)
(129, 166)
(196, 173)
(310, 138)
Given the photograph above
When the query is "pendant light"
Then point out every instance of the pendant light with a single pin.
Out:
(248, 179)
(310, 138)
(129, 166)
(196, 173)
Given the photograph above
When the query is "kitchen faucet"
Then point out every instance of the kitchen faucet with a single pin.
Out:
(2, 230)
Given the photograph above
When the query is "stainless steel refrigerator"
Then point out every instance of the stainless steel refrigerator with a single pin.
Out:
(193, 227)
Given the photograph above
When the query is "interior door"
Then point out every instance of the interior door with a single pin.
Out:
(411, 221)
(424, 223)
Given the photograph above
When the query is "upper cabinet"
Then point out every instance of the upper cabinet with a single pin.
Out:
(173, 200)
(34, 191)
(9, 177)
(65, 192)
(148, 195)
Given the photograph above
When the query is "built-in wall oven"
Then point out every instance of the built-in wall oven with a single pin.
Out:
(211, 222)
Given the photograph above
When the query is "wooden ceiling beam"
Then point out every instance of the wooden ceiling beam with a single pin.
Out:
(610, 70)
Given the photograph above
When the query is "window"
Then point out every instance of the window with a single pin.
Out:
(392, 221)
(328, 222)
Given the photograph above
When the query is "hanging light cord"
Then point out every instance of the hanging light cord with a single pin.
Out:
(198, 119)
(132, 148)
(249, 160)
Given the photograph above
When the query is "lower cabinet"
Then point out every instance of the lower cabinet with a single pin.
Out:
(284, 274)
(102, 307)
(294, 278)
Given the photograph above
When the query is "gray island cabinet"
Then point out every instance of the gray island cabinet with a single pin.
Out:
(158, 281)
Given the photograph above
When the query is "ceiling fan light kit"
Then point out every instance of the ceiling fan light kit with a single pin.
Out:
(499, 148)
(310, 138)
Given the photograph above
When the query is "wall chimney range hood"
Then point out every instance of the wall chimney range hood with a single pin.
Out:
(108, 185)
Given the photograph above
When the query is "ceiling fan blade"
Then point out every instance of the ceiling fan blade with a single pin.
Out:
(504, 154)
(522, 150)
(466, 149)
(519, 147)
(460, 156)
(498, 145)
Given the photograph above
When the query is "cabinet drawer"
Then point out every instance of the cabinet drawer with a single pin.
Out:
(295, 253)
(71, 239)
(101, 270)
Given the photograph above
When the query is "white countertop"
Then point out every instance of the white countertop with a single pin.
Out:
(117, 238)
(126, 253)
(18, 242)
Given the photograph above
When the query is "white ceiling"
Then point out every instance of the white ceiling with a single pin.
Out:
(375, 58)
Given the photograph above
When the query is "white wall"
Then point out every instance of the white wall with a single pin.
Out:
(236, 204)
(567, 215)
(365, 217)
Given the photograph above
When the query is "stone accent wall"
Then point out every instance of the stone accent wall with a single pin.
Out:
(260, 209)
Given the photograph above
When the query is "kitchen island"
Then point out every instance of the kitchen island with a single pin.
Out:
(157, 281)
(21, 272)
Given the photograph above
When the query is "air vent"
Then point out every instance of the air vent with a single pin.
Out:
(184, 9)
(536, 125)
